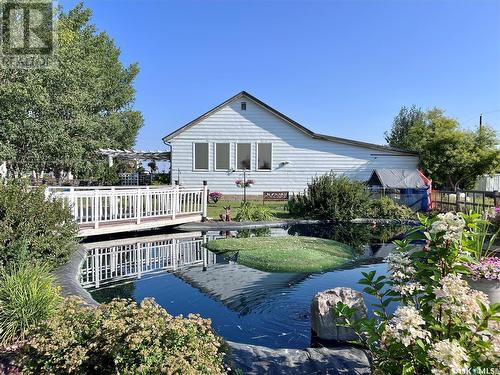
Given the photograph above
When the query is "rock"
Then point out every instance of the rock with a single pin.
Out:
(253, 359)
(323, 322)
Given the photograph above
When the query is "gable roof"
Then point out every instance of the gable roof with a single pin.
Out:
(244, 94)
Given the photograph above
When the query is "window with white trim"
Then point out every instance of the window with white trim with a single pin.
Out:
(243, 155)
(222, 156)
(264, 156)
(200, 156)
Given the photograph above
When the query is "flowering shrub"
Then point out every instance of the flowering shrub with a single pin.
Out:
(487, 268)
(242, 184)
(214, 196)
(441, 325)
(122, 338)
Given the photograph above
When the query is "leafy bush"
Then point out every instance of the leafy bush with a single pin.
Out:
(386, 208)
(32, 227)
(331, 197)
(253, 212)
(441, 326)
(122, 338)
(28, 296)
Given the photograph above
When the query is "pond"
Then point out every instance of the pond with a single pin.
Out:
(245, 305)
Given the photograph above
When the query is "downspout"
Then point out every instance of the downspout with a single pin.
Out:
(170, 146)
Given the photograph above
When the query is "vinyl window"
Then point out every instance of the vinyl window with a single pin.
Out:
(264, 156)
(200, 156)
(243, 155)
(222, 156)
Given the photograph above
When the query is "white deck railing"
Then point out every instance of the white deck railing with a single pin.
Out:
(114, 263)
(95, 205)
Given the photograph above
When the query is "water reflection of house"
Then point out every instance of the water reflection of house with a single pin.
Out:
(241, 289)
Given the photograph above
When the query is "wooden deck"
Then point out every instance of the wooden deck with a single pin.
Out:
(105, 210)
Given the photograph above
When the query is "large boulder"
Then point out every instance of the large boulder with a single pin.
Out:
(323, 323)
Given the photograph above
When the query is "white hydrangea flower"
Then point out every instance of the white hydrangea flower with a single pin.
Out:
(448, 358)
(400, 266)
(406, 326)
(458, 299)
(451, 224)
(409, 289)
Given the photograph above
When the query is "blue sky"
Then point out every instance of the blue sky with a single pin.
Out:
(342, 68)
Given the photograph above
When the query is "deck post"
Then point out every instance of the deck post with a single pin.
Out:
(204, 252)
(457, 200)
(138, 206)
(138, 260)
(96, 209)
(204, 202)
(175, 199)
(97, 267)
(72, 201)
(496, 198)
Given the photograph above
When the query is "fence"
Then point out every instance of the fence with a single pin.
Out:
(465, 200)
(114, 263)
(95, 205)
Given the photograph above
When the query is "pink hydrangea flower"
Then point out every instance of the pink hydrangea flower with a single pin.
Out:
(487, 268)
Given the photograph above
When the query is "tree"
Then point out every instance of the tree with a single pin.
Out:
(54, 119)
(407, 119)
(451, 156)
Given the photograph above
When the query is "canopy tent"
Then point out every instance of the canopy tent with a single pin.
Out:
(397, 179)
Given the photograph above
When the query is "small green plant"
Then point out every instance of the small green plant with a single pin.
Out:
(253, 212)
(33, 227)
(122, 337)
(28, 296)
(331, 197)
(386, 208)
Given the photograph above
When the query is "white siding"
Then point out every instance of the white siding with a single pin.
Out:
(307, 156)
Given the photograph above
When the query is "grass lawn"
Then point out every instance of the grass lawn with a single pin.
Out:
(278, 209)
(284, 254)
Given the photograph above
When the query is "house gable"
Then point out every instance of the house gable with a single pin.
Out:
(244, 96)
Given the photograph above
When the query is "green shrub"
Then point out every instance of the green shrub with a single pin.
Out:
(331, 197)
(28, 296)
(253, 212)
(122, 338)
(32, 227)
(386, 208)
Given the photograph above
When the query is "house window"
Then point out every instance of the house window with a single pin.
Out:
(243, 106)
(222, 156)
(264, 156)
(201, 156)
(243, 155)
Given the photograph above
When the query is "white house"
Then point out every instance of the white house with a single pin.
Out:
(278, 153)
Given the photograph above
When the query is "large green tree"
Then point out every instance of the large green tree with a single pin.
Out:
(56, 118)
(407, 119)
(453, 157)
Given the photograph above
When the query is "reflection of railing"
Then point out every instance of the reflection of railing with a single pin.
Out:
(115, 204)
(134, 259)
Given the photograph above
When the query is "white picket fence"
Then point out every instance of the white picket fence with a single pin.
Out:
(95, 205)
(114, 263)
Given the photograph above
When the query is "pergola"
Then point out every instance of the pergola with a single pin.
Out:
(133, 155)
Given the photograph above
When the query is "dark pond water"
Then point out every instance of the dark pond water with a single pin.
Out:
(244, 304)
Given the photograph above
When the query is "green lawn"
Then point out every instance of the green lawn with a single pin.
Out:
(278, 209)
(284, 254)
